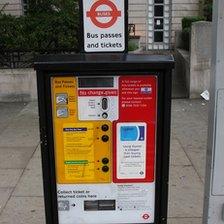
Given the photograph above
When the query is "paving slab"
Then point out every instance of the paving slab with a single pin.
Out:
(8, 112)
(30, 183)
(198, 160)
(23, 210)
(37, 153)
(177, 154)
(189, 126)
(19, 136)
(9, 177)
(190, 131)
(15, 157)
(185, 193)
(30, 109)
(5, 194)
(188, 148)
(198, 106)
(22, 130)
(185, 221)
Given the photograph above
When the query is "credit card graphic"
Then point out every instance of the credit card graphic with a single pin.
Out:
(131, 150)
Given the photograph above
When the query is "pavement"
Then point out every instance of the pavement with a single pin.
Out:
(21, 190)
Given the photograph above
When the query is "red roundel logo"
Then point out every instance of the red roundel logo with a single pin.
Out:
(145, 216)
(95, 14)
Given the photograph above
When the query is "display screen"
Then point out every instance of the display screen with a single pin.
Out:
(96, 82)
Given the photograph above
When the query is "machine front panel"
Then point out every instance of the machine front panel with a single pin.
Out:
(105, 148)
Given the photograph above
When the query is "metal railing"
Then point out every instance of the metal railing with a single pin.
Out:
(25, 59)
(16, 59)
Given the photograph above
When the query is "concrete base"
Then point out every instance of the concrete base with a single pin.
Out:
(200, 58)
(195, 65)
(18, 85)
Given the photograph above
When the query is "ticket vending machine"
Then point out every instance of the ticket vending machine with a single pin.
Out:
(105, 129)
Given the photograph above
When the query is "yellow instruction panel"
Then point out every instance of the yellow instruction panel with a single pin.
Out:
(83, 148)
(79, 151)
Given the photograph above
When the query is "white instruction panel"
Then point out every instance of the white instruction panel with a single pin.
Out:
(131, 156)
(106, 203)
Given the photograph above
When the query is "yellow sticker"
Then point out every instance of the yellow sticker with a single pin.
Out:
(79, 158)
(77, 155)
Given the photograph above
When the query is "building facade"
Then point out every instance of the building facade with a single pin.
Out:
(13, 7)
(155, 21)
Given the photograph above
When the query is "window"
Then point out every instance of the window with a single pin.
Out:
(159, 24)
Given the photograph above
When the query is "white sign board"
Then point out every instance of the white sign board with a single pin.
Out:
(104, 25)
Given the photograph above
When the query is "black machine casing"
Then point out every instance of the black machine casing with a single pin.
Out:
(105, 64)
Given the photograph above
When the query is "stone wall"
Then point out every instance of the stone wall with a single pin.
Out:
(13, 7)
(195, 65)
(17, 85)
(200, 57)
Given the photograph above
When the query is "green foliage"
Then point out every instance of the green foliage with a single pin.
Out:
(208, 7)
(186, 29)
(132, 46)
(10, 31)
(187, 21)
(48, 25)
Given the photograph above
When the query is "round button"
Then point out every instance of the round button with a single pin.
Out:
(105, 127)
(105, 115)
(105, 138)
(105, 169)
(105, 160)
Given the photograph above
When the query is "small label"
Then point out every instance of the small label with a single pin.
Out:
(98, 92)
(63, 206)
(61, 99)
(62, 112)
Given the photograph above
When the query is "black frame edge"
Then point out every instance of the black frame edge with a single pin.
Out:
(163, 142)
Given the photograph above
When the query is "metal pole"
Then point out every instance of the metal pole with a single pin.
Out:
(214, 183)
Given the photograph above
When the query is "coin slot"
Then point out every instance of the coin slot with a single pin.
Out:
(105, 138)
(104, 104)
(105, 127)
(105, 160)
(105, 169)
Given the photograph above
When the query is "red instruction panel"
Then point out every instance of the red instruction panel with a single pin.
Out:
(135, 130)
